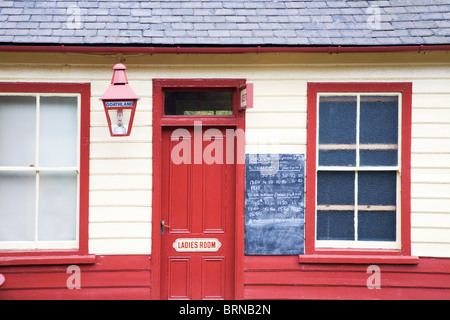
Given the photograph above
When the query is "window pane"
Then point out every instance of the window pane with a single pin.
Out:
(379, 119)
(377, 192)
(379, 126)
(335, 225)
(337, 120)
(195, 103)
(337, 131)
(377, 188)
(57, 206)
(335, 188)
(17, 131)
(17, 206)
(58, 131)
(335, 193)
(343, 158)
(379, 157)
(377, 225)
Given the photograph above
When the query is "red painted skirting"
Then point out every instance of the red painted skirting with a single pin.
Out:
(284, 278)
(265, 277)
(111, 277)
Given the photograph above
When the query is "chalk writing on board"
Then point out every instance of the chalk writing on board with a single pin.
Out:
(274, 204)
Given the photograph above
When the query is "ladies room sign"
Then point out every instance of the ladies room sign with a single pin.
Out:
(274, 204)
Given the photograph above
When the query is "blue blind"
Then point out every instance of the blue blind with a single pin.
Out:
(361, 133)
(337, 129)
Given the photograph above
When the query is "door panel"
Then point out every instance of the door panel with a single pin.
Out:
(179, 269)
(179, 194)
(214, 207)
(198, 209)
(213, 277)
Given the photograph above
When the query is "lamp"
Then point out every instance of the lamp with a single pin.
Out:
(120, 103)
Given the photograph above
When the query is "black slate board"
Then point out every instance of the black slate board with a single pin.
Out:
(274, 204)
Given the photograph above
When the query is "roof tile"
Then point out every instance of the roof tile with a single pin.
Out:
(226, 22)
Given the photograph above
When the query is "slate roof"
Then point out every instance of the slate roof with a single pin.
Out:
(225, 23)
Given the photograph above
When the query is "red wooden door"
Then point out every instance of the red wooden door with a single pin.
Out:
(198, 215)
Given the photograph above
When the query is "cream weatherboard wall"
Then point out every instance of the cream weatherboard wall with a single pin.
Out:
(121, 168)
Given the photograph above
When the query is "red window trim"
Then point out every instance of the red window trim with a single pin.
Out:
(81, 255)
(316, 255)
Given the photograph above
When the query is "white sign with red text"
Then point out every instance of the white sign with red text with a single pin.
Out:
(196, 245)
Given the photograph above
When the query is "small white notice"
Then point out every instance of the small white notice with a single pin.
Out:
(196, 245)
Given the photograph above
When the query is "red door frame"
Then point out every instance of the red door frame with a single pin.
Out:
(159, 121)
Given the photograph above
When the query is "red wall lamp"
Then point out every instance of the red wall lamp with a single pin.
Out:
(120, 103)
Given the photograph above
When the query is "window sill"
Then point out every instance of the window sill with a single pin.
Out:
(47, 260)
(357, 259)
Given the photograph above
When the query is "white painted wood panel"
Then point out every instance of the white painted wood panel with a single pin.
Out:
(439, 235)
(432, 115)
(284, 104)
(430, 190)
(430, 175)
(114, 230)
(430, 160)
(430, 100)
(433, 86)
(120, 198)
(120, 214)
(121, 182)
(430, 249)
(111, 150)
(120, 246)
(276, 119)
(431, 145)
(121, 166)
(430, 220)
(431, 130)
(430, 205)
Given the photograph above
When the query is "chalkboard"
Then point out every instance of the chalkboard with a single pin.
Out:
(274, 204)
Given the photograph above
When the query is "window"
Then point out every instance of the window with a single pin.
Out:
(358, 167)
(38, 171)
(357, 170)
(198, 103)
(43, 164)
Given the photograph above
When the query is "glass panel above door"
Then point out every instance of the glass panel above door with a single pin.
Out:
(198, 103)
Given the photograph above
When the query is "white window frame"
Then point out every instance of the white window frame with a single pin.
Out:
(36, 244)
(355, 244)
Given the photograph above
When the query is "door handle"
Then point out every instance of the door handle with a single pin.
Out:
(163, 225)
